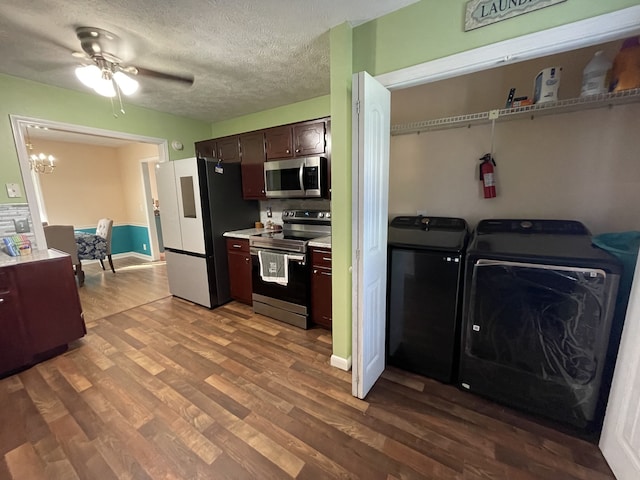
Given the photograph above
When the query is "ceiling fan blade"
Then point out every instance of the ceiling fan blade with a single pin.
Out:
(161, 75)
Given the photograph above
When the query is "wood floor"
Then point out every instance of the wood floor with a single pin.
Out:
(170, 390)
(135, 283)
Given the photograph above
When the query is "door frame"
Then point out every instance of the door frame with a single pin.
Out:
(19, 124)
(583, 33)
(154, 243)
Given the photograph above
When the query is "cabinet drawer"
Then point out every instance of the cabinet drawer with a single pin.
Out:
(237, 245)
(321, 258)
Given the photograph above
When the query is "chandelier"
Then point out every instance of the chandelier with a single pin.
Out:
(41, 162)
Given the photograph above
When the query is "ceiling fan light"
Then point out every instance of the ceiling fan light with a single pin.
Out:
(127, 85)
(88, 75)
(104, 87)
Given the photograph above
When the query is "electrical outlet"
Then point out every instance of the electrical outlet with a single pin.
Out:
(144, 247)
(13, 190)
(269, 212)
(21, 226)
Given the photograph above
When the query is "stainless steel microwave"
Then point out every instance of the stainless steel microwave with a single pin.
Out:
(304, 177)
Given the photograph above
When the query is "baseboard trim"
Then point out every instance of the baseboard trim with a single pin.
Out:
(133, 254)
(341, 363)
(115, 256)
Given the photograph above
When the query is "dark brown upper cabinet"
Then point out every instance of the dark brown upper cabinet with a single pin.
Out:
(229, 149)
(279, 141)
(207, 149)
(309, 139)
(252, 153)
(298, 140)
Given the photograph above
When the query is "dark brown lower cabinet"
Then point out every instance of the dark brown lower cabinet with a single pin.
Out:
(239, 259)
(40, 310)
(321, 287)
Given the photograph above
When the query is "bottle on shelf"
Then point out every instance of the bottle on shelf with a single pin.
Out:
(625, 73)
(596, 75)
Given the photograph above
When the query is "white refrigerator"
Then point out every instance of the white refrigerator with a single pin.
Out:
(201, 199)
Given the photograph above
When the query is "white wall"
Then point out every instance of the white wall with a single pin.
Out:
(582, 165)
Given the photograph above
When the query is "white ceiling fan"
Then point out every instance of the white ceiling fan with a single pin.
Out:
(104, 71)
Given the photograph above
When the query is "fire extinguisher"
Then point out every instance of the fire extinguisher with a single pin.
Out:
(487, 177)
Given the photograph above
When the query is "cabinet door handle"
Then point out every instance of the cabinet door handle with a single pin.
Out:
(297, 150)
(247, 259)
(235, 245)
(1, 300)
(326, 273)
(315, 271)
(326, 259)
(288, 151)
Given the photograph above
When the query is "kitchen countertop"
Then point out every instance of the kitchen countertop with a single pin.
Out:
(7, 260)
(246, 233)
(324, 242)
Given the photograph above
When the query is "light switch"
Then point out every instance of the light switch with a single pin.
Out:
(13, 190)
(21, 226)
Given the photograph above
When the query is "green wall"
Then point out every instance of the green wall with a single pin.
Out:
(307, 110)
(341, 177)
(31, 99)
(416, 34)
(433, 29)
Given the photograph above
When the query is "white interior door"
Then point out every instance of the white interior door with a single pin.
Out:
(371, 129)
(620, 439)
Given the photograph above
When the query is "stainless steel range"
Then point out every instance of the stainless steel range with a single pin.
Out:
(288, 300)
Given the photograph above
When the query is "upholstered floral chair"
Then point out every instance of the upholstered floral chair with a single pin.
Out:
(96, 246)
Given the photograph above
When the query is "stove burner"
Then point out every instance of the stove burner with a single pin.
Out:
(299, 227)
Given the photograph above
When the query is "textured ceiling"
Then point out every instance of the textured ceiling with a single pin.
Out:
(246, 56)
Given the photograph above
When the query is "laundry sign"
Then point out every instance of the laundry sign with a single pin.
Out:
(485, 12)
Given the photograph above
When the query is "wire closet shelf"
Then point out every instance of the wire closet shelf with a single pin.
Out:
(504, 114)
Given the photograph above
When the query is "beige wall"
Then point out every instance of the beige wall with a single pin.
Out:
(581, 165)
(129, 159)
(91, 182)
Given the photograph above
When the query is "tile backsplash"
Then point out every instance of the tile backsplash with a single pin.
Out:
(16, 211)
(278, 206)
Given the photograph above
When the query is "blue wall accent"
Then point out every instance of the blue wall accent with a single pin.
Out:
(126, 238)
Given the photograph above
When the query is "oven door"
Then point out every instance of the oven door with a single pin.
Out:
(288, 303)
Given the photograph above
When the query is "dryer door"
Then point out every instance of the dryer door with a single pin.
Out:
(536, 336)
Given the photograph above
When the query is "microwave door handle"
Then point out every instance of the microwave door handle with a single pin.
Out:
(301, 177)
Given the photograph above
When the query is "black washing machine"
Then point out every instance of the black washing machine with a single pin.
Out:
(539, 300)
(426, 258)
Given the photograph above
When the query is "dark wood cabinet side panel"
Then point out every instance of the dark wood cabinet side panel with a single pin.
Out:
(49, 304)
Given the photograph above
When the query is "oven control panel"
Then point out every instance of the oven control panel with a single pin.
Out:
(303, 216)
